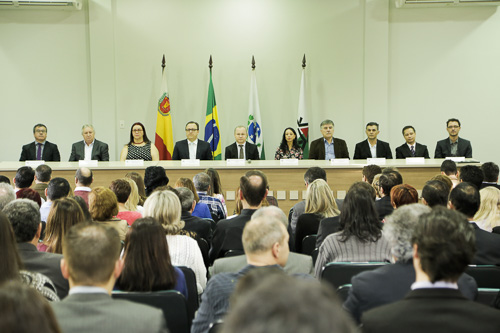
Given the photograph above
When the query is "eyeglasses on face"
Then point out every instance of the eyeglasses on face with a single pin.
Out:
(41, 131)
(191, 130)
(137, 130)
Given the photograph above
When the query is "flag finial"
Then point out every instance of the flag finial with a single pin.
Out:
(304, 61)
(210, 63)
(163, 65)
(253, 62)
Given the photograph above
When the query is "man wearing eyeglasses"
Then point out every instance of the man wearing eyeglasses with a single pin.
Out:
(40, 149)
(453, 146)
(192, 148)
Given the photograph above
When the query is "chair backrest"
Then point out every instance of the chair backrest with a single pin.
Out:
(233, 253)
(291, 234)
(487, 296)
(193, 301)
(343, 291)
(340, 273)
(486, 276)
(213, 225)
(309, 244)
(172, 303)
(314, 255)
(204, 248)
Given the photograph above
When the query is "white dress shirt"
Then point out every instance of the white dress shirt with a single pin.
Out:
(192, 149)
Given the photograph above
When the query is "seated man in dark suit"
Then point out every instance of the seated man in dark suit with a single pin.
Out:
(43, 175)
(227, 235)
(411, 148)
(390, 283)
(435, 193)
(192, 148)
(387, 181)
(89, 148)
(241, 148)
(471, 174)
(92, 264)
(490, 172)
(443, 246)
(328, 147)
(200, 226)
(465, 198)
(372, 147)
(453, 145)
(40, 149)
(24, 215)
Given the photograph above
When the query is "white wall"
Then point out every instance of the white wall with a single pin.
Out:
(366, 61)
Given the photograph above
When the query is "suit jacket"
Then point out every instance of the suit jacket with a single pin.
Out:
(297, 264)
(388, 284)
(50, 152)
(362, 150)
(181, 150)
(384, 207)
(420, 151)
(227, 235)
(201, 226)
(432, 310)
(443, 148)
(483, 185)
(251, 151)
(99, 151)
(48, 264)
(327, 226)
(317, 149)
(98, 312)
(487, 247)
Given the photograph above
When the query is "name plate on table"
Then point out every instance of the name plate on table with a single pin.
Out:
(456, 158)
(377, 160)
(34, 163)
(91, 163)
(134, 162)
(289, 161)
(339, 161)
(415, 160)
(188, 162)
(235, 162)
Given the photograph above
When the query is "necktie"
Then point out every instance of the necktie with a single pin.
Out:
(242, 156)
(39, 152)
(412, 151)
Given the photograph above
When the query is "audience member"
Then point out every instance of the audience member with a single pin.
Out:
(89, 148)
(449, 169)
(266, 244)
(227, 235)
(372, 147)
(43, 175)
(443, 246)
(28, 193)
(391, 283)
(387, 181)
(122, 189)
(154, 176)
(58, 188)
(147, 265)
(320, 204)
(471, 174)
(132, 204)
(488, 215)
(103, 207)
(465, 199)
(25, 176)
(490, 172)
(4, 179)
(83, 179)
(24, 216)
(141, 188)
(7, 194)
(25, 310)
(296, 264)
(369, 171)
(201, 182)
(165, 207)
(40, 149)
(92, 264)
(376, 185)
(64, 214)
(201, 227)
(445, 180)
(215, 188)
(403, 194)
(280, 304)
(85, 209)
(435, 193)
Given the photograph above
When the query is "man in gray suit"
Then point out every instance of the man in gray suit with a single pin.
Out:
(89, 148)
(296, 264)
(92, 264)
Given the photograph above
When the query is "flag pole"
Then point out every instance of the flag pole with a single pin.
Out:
(210, 65)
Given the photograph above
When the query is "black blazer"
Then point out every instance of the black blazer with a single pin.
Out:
(443, 148)
(181, 150)
(50, 152)
(362, 150)
(420, 151)
(99, 151)
(487, 247)
(201, 227)
(483, 185)
(251, 151)
(384, 207)
(317, 149)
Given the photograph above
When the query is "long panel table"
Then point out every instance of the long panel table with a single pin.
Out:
(283, 179)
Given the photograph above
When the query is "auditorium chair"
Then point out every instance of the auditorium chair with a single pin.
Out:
(343, 291)
(193, 302)
(487, 296)
(340, 273)
(171, 302)
(309, 244)
(486, 276)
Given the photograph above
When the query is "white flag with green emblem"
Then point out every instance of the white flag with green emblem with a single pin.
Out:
(255, 132)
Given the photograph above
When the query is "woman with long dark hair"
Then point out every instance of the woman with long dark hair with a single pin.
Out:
(289, 148)
(139, 146)
(147, 265)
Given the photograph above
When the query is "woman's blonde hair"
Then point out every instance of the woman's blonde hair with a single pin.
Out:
(320, 200)
(489, 210)
(165, 206)
(375, 184)
(133, 198)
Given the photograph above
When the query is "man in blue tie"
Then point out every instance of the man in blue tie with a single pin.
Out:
(40, 149)
(411, 148)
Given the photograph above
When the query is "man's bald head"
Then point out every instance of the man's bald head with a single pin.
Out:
(84, 176)
(253, 186)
